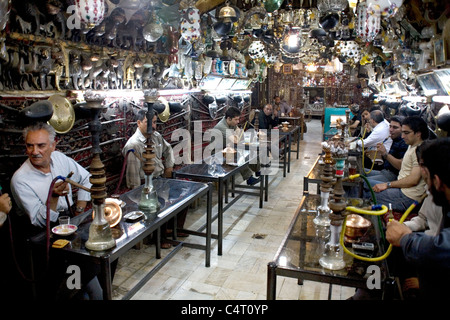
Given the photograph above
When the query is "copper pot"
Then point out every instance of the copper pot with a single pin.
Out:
(356, 226)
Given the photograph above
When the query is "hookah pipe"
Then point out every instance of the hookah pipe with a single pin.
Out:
(362, 146)
(375, 211)
(47, 219)
(124, 166)
(242, 132)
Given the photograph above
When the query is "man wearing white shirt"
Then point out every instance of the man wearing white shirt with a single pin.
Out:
(30, 187)
(379, 134)
(31, 182)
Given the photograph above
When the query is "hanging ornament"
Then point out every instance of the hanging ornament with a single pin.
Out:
(90, 12)
(387, 8)
(369, 22)
(256, 50)
(190, 24)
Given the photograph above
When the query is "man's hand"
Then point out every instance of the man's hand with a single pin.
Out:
(395, 231)
(379, 187)
(168, 172)
(61, 188)
(381, 149)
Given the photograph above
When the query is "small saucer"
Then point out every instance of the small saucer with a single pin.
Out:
(64, 230)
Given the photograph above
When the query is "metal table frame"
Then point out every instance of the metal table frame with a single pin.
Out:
(105, 258)
(280, 266)
(200, 172)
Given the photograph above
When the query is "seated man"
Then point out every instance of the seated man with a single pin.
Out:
(393, 157)
(30, 186)
(164, 162)
(227, 127)
(409, 186)
(164, 159)
(31, 182)
(379, 133)
(268, 119)
(281, 106)
(430, 254)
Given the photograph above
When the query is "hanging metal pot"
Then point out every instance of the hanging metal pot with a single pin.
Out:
(38, 111)
(207, 99)
(175, 107)
(212, 107)
(165, 114)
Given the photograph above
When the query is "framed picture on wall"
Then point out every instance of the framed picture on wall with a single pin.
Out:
(287, 68)
(439, 52)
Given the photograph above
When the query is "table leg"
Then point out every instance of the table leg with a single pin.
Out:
(208, 226)
(271, 280)
(261, 192)
(266, 187)
(158, 243)
(105, 275)
(289, 153)
(220, 217)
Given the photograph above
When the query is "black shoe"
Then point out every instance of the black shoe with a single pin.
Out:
(252, 181)
(258, 173)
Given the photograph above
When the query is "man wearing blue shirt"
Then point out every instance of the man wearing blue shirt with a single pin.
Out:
(430, 254)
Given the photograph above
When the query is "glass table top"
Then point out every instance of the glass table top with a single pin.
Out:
(304, 245)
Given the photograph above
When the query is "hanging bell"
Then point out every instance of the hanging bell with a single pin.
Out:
(227, 13)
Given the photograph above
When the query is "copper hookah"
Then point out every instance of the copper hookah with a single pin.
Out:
(149, 199)
(100, 236)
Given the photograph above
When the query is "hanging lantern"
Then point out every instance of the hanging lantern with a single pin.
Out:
(369, 22)
(292, 40)
(91, 12)
(153, 30)
(325, 6)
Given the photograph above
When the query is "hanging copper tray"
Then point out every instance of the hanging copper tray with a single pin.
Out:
(63, 114)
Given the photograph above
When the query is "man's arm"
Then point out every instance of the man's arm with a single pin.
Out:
(407, 182)
(396, 163)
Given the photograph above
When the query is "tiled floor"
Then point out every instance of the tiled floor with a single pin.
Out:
(241, 272)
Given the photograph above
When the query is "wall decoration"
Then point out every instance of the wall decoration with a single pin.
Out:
(287, 68)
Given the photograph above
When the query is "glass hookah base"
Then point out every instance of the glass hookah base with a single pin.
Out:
(100, 237)
(332, 263)
(321, 221)
(149, 209)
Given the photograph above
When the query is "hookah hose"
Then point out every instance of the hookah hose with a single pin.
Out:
(123, 169)
(242, 132)
(383, 210)
(374, 157)
(47, 243)
(378, 213)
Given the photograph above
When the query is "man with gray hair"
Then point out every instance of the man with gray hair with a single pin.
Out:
(30, 187)
(379, 134)
(31, 182)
